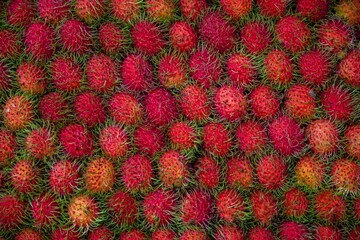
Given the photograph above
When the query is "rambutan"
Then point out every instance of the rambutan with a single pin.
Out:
(217, 32)
(182, 36)
(159, 207)
(216, 139)
(230, 102)
(352, 138)
(279, 68)
(149, 139)
(63, 234)
(236, 9)
(18, 112)
(239, 173)
(100, 175)
(8, 145)
(147, 37)
(162, 10)
(21, 12)
(113, 141)
(124, 208)
(39, 41)
(136, 72)
(271, 172)
(31, 78)
(272, 8)
(293, 231)
(310, 172)
(28, 234)
(251, 137)
(111, 37)
(40, 143)
(323, 136)
(101, 233)
(83, 211)
(264, 206)
(260, 233)
(230, 205)
(329, 206)
(125, 10)
(66, 74)
(89, 10)
(134, 234)
(256, 37)
(196, 207)
(53, 107)
(354, 234)
(89, 108)
(171, 72)
(228, 233)
(326, 233)
(75, 36)
(191, 9)
(12, 211)
(5, 79)
(348, 68)
(208, 172)
(64, 177)
(160, 106)
(193, 234)
(314, 10)
(205, 67)
(45, 210)
(349, 10)
(345, 175)
(10, 44)
(24, 176)
(337, 102)
(314, 67)
(334, 36)
(194, 103)
(76, 140)
(300, 102)
(264, 102)
(125, 108)
(53, 11)
(182, 135)
(173, 171)
(241, 70)
(163, 234)
(137, 173)
(296, 203)
(357, 208)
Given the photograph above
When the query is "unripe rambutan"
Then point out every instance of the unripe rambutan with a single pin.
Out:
(31, 78)
(28, 234)
(329, 206)
(147, 37)
(53, 11)
(216, 139)
(75, 36)
(159, 207)
(126, 10)
(228, 233)
(63, 234)
(89, 10)
(66, 74)
(272, 8)
(296, 203)
(173, 171)
(137, 173)
(334, 36)
(124, 208)
(205, 67)
(326, 233)
(83, 211)
(207, 172)
(236, 9)
(10, 44)
(89, 109)
(264, 102)
(196, 207)
(41, 143)
(162, 10)
(337, 102)
(349, 10)
(251, 137)
(293, 33)
(345, 175)
(230, 102)
(314, 67)
(113, 141)
(12, 211)
(239, 173)
(76, 140)
(163, 234)
(314, 10)
(18, 112)
(101, 233)
(24, 176)
(64, 177)
(256, 37)
(182, 36)
(45, 210)
(310, 172)
(53, 107)
(279, 68)
(160, 106)
(5, 79)
(100, 175)
(271, 172)
(241, 70)
(264, 206)
(21, 12)
(136, 72)
(323, 136)
(182, 136)
(217, 32)
(293, 231)
(300, 102)
(8, 146)
(191, 9)
(230, 205)
(194, 103)
(125, 108)
(260, 233)
(149, 139)
(352, 138)
(348, 68)
(111, 37)
(39, 41)
(171, 72)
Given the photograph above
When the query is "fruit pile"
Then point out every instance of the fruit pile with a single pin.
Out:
(179, 119)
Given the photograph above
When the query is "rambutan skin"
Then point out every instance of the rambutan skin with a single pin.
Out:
(8, 145)
(21, 12)
(76, 140)
(310, 172)
(182, 36)
(216, 139)
(326, 233)
(89, 108)
(75, 36)
(163, 234)
(134, 234)
(66, 74)
(125, 10)
(61, 234)
(260, 233)
(241, 70)
(161, 10)
(39, 41)
(239, 173)
(182, 135)
(192, 9)
(337, 102)
(315, 10)
(230, 102)
(194, 103)
(264, 206)
(334, 36)
(236, 9)
(264, 102)
(171, 72)
(89, 10)
(173, 171)
(292, 230)
(147, 37)
(296, 203)
(10, 44)
(124, 208)
(273, 8)
(256, 37)
(31, 78)
(323, 136)
(100, 175)
(229, 233)
(100, 233)
(83, 210)
(18, 112)
(196, 207)
(352, 138)
(208, 172)
(125, 108)
(64, 177)
(45, 210)
(27, 234)
(12, 211)
(24, 176)
(53, 11)
(300, 102)
(111, 37)
(349, 11)
(348, 68)
(271, 172)
(345, 175)
(149, 139)
(329, 206)
(251, 137)
(41, 143)
(5, 80)
(53, 107)
(278, 67)
(314, 67)
(230, 205)
(113, 141)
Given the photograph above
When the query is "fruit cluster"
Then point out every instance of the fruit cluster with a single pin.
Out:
(179, 119)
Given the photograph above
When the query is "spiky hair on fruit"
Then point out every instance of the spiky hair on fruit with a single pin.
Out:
(296, 203)
(24, 176)
(229, 233)
(101, 233)
(264, 206)
(264, 102)
(271, 172)
(125, 10)
(182, 36)
(327, 233)
(354, 233)
(348, 68)
(148, 37)
(349, 10)
(241, 70)
(83, 210)
(230, 102)
(64, 177)
(163, 234)
(216, 139)
(53, 11)
(192, 9)
(76, 140)
(21, 12)
(10, 44)
(310, 172)
(260, 233)
(337, 102)
(293, 230)
(173, 170)
(134, 234)
(345, 175)
(182, 135)
(194, 103)
(39, 41)
(124, 208)
(113, 141)
(352, 138)
(230, 205)
(66, 74)
(171, 72)
(161, 10)
(31, 78)
(8, 145)
(61, 234)
(89, 109)
(314, 10)
(5, 80)
(239, 173)
(329, 206)
(207, 172)
(272, 8)
(12, 211)
(53, 107)
(111, 38)
(236, 9)
(314, 67)
(149, 139)
(18, 112)
(334, 35)
(40, 143)
(100, 175)
(90, 10)
(279, 68)
(28, 234)
(256, 37)
(251, 137)
(125, 108)
(323, 136)
(75, 36)
(300, 101)
(44, 210)
(193, 233)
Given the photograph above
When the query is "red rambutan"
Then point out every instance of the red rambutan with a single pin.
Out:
(113, 141)
(41, 143)
(12, 211)
(345, 175)
(334, 36)
(111, 37)
(300, 102)
(90, 10)
(260, 233)
(66, 74)
(293, 231)
(256, 37)
(89, 108)
(314, 67)
(39, 41)
(192, 9)
(100, 175)
(182, 135)
(196, 207)
(326, 233)
(162, 10)
(296, 203)
(83, 211)
(63, 234)
(125, 10)
(18, 112)
(163, 234)
(75, 36)
(124, 208)
(216, 139)
(76, 140)
(21, 12)
(271, 172)
(53, 107)
(24, 176)
(236, 9)
(10, 44)
(230, 102)
(28, 234)
(251, 137)
(329, 206)
(5, 79)
(208, 172)
(264, 102)
(173, 171)
(323, 136)
(134, 234)
(64, 177)
(230, 205)
(194, 103)
(348, 68)
(125, 108)
(45, 210)
(264, 206)
(182, 36)
(239, 173)
(352, 138)
(147, 37)
(53, 11)
(310, 172)
(149, 139)
(314, 10)
(279, 68)
(241, 70)
(171, 72)
(228, 233)
(337, 102)
(272, 8)
(31, 78)
(8, 146)
(101, 233)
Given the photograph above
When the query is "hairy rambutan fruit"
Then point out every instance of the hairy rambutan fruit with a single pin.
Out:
(136, 72)
(89, 108)
(8, 145)
(39, 41)
(40, 143)
(182, 36)
(124, 208)
(10, 44)
(18, 112)
(239, 173)
(272, 8)
(271, 172)
(83, 211)
(76, 140)
(228, 233)
(31, 78)
(66, 74)
(162, 10)
(323, 136)
(314, 10)
(125, 10)
(300, 102)
(260, 233)
(236, 9)
(196, 207)
(205, 67)
(293, 231)
(352, 138)
(53, 11)
(89, 10)
(113, 141)
(264, 102)
(329, 206)
(53, 107)
(279, 68)
(173, 171)
(64, 177)
(345, 175)
(194, 103)
(230, 102)
(12, 211)
(21, 12)
(147, 37)
(137, 173)
(101, 233)
(326, 233)
(63, 234)
(193, 233)
(310, 172)
(24, 176)
(264, 206)
(251, 137)
(28, 234)
(163, 234)
(125, 108)
(337, 102)
(216, 139)
(192, 9)
(241, 70)
(256, 37)
(75, 36)
(111, 37)
(134, 234)
(182, 135)
(217, 32)
(100, 175)
(334, 36)
(314, 67)
(149, 139)
(171, 72)
(349, 11)
(296, 203)
(45, 210)
(230, 205)
(348, 68)
(208, 172)
(5, 79)
(354, 234)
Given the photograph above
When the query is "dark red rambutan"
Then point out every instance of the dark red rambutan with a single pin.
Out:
(293, 33)
(264, 102)
(357, 208)
(76, 140)
(216, 139)
(136, 72)
(345, 175)
(279, 68)
(111, 37)
(89, 108)
(337, 102)
(182, 135)
(241, 70)
(137, 173)
(10, 44)
(101, 233)
(352, 138)
(162, 10)
(63, 234)
(149, 139)
(326, 233)
(160, 106)
(334, 36)
(45, 210)
(125, 10)
(296, 203)
(323, 136)
(217, 32)
(53, 107)
(230, 102)
(329, 206)
(196, 207)
(89, 10)
(208, 172)
(271, 172)
(191, 9)
(83, 210)
(229, 233)
(39, 41)
(28, 234)
(314, 67)
(171, 72)
(194, 103)
(264, 206)
(314, 10)
(300, 102)
(100, 175)
(173, 171)
(205, 67)
(64, 177)
(134, 234)
(272, 8)
(8, 146)
(124, 208)
(230, 205)
(147, 37)
(354, 234)
(348, 68)
(40, 143)
(66, 74)
(163, 234)
(260, 233)
(31, 78)
(75, 36)
(236, 9)
(5, 79)
(182, 36)
(24, 176)
(159, 207)
(53, 11)
(239, 173)
(251, 137)
(113, 141)
(256, 37)
(293, 231)
(18, 112)
(125, 108)
(12, 211)
(21, 12)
